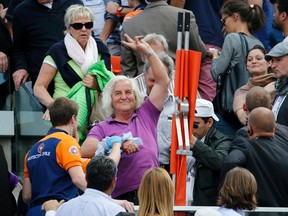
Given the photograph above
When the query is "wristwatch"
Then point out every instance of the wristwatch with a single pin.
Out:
(119, 9)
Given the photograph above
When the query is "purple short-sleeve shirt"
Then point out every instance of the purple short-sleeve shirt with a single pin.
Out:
(131, 168)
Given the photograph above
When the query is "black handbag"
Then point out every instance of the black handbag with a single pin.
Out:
(228, 82)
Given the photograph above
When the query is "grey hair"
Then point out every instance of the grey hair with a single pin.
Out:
(153, 38)
(75, 11)
(166, 60)
(108, 90)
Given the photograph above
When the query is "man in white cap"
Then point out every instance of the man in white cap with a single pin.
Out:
(210, 147)
(279, 57)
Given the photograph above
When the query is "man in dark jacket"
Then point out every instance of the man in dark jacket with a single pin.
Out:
(210, 147)
(37, 25)
(265, 156)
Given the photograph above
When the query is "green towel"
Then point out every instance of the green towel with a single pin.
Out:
(78, 94)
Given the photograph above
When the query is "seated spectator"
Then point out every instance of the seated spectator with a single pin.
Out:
(159, 44)
(209, 147)
(238, 192)
(101, 179)
(258, 68)
(156, 193)
(259, 97)
(279, 56)
(72, 60)
(262, 153)
(123, 103)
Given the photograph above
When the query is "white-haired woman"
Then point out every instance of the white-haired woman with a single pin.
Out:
(123, 103)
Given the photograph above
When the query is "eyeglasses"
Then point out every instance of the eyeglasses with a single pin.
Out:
(195, 125)
(78, 26)
(224, 19)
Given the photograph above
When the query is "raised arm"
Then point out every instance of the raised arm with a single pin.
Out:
(159, 91)
(128, 59)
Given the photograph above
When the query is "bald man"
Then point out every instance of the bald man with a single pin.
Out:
(259, 97)
(264, 156)
(261, 123)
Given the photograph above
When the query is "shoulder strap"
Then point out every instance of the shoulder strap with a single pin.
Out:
(243, 43)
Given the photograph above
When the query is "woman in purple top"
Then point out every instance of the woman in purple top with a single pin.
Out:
(123, 104)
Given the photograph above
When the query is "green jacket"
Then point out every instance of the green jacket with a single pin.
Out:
(209, 156)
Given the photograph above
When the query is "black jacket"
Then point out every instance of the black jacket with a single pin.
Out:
(209, 157)
(59, 54)
(266, 159)
(35, 29)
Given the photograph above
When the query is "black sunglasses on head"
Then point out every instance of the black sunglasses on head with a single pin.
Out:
(78, 26)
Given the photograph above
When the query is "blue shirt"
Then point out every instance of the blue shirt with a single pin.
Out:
(210, 30)
(92, 202)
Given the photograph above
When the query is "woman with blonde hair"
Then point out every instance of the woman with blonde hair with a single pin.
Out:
(238, 192)
(77, 66)
(156, 193)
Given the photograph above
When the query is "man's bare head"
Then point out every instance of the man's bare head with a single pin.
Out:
(261, 122)
(257, 97)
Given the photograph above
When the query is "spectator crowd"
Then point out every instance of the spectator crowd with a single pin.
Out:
(110, 142)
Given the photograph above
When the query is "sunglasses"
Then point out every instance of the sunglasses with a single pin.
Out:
(224, 19)
(196, 125)
(78, 26)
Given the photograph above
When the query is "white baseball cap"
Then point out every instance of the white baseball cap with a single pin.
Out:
(204, 108)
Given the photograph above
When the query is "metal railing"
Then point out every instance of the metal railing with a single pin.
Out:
(263, 211)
